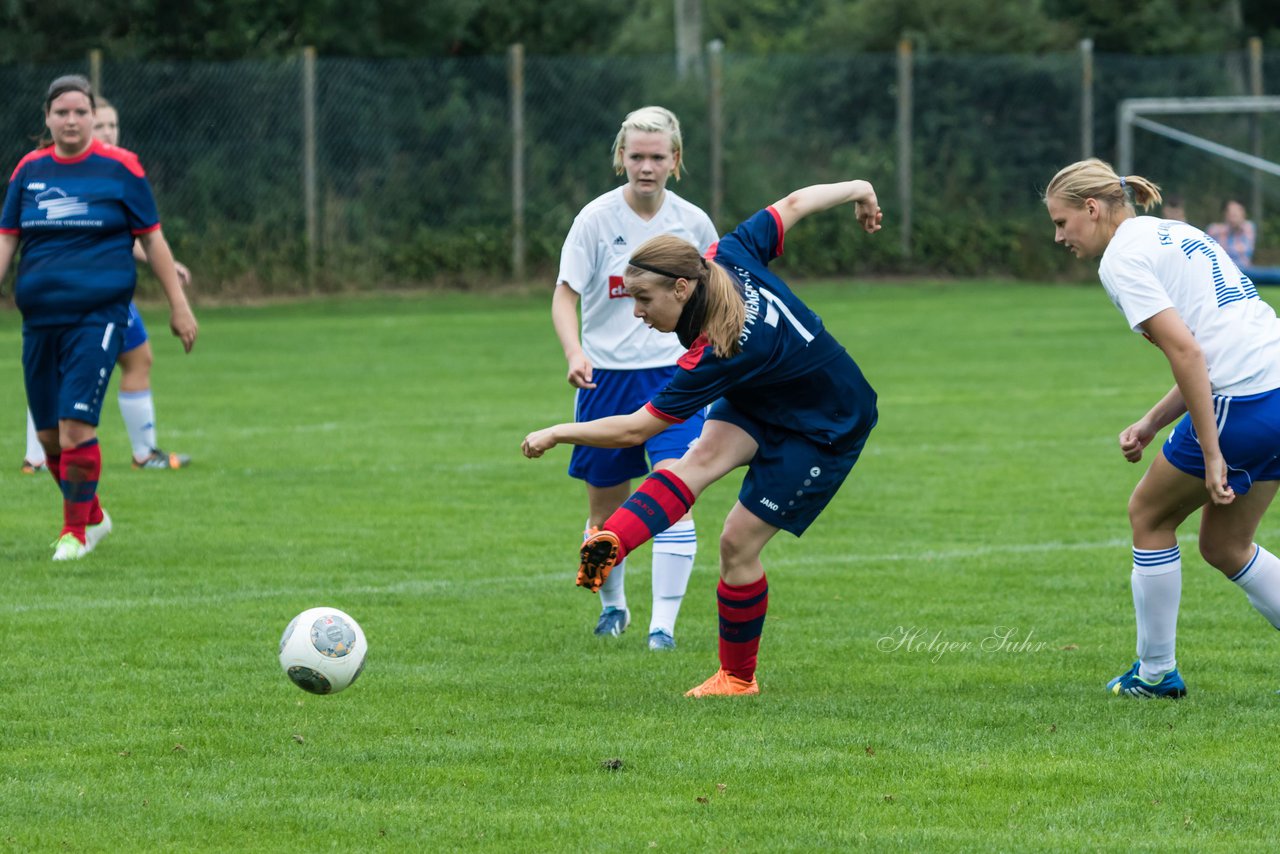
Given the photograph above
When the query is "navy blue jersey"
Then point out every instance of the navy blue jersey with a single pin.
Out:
(76, 220)
(790, 372)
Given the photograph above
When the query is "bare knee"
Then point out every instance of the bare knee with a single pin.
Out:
(1226, 556)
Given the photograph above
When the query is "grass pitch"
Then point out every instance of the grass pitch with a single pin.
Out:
(932, 664)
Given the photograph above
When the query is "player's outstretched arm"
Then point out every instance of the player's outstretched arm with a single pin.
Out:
(820, 197)
(616, 431)
(181, 319)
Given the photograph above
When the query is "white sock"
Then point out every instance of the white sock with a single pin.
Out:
(613, 593)
(35, 451)
(1157, 589)
(673, 553)
(139, 413)
(1260, 581)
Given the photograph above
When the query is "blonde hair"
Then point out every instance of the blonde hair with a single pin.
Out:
(725, 310)
(650, 120)
(1095, 179)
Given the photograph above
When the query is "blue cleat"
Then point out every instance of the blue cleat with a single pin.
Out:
(1130, 684)
(660, 641)
(613, 622)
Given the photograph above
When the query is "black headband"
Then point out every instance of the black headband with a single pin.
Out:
(659, 271)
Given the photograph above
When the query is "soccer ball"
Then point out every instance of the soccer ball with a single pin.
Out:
(322, 650)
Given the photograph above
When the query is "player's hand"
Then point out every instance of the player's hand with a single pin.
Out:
(867, 210)
(1134, 438)
(183, 325)
(184, 275)
(580, 372)
(538, 443)
(1215, 480)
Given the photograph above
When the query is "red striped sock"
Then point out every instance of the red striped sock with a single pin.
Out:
(742, 611)
(657, 505)
(81, 468)
(55, 469)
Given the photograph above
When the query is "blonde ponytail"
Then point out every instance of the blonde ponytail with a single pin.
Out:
(1095, 179)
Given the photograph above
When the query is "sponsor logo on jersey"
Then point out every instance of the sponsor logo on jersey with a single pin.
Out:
(36, 185)
(619, 241)
(81, 407)
(767, 503)
(58, 205)
(617, 290)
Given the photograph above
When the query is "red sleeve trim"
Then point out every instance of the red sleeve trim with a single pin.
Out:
(693, 355)
(782, 232)
(138, 232)
(658, 413)
(710, 254)
(123, 156)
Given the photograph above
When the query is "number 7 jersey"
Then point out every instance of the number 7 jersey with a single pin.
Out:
(790, 373)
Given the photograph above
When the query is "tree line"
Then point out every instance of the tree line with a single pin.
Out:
(33, 32)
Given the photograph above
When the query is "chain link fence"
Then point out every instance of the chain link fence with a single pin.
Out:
(414, 159)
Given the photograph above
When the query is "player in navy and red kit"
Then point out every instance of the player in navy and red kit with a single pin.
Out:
(75, 208)
(787, 402)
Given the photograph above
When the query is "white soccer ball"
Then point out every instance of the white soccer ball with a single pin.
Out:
(322, 650)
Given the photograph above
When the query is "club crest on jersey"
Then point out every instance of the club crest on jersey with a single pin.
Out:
(58, 205)
(617, 290)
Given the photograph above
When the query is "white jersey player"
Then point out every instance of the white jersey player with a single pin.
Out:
(619, 363)
(1181, 290)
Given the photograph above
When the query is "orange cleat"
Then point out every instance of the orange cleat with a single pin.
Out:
(599, 556)
(724, 684)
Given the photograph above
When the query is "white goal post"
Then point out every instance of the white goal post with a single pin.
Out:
(1131, 112)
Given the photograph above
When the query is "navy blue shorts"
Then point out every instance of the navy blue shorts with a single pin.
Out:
(792, 478)
(135, 334)
(622, 393)
(67, 368)
(1248, 434)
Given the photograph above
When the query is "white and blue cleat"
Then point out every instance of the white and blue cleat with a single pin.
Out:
(613, 622)
(1130, 684)
(660, 641)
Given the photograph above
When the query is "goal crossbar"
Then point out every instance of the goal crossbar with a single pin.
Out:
(1130, 112)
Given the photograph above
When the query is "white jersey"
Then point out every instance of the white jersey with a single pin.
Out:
(592, 262)
(1153, 264)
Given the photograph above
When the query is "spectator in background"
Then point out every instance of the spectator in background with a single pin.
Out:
(75, 208)
(620, 362)
(1235, 233)
(1173, 208)
(134, 392)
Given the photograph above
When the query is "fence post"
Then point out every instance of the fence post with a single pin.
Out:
(715, 123)
(95, 71)
(688, 16)
(1255, 123)
(905, 107)
(1086, 98)
(309, 194)
(515, 57)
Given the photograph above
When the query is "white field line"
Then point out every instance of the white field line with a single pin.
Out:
(563, 577)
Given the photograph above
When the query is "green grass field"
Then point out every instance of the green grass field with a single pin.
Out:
(365, 455)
